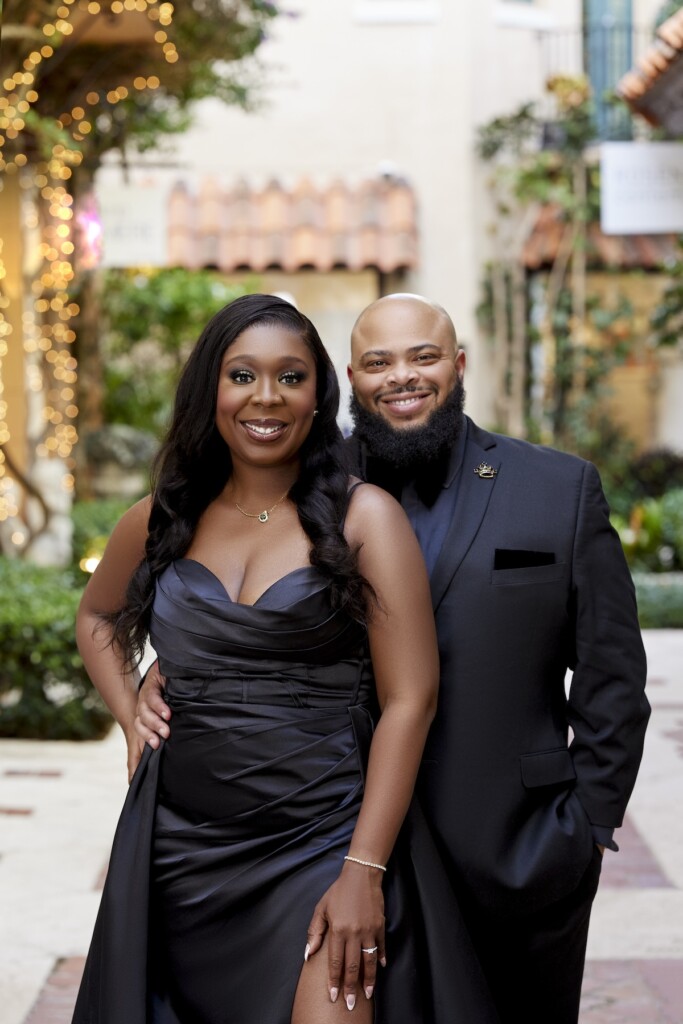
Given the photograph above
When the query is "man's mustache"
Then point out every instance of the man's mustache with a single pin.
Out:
(406, 389)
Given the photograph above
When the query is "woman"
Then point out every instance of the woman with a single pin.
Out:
(289, 607)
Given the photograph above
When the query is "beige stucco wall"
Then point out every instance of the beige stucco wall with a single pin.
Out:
(634, 387)
(669, 405)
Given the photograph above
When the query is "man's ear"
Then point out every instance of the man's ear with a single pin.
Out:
(460, 362)
(349, 373)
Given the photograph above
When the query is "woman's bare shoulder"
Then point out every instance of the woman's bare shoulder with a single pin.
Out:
(106, 588)
(130, 533)
(372, 510)
(136, 518)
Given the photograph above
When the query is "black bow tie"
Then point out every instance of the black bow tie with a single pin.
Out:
(428, 480)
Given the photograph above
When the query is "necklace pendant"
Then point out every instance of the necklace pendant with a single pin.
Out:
(263, 517)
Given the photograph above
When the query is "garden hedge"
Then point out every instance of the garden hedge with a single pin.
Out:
(44, 690)
(660, 599)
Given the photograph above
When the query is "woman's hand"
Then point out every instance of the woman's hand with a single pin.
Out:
(351, 912)
(152, 713)
(135, 748)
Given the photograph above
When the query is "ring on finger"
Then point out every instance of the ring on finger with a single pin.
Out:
(372, 949)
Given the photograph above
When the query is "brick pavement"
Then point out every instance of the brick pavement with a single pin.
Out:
(632, 992)
(56, 1002)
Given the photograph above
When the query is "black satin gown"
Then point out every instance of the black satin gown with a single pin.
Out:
(237, 825)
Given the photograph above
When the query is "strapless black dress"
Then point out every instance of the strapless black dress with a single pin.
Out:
(237, 825)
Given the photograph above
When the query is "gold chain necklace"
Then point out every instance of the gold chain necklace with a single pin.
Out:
(261, 516)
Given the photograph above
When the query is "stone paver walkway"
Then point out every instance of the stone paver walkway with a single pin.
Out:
(59, 804)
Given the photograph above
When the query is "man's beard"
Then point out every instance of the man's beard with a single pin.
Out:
(410, 448)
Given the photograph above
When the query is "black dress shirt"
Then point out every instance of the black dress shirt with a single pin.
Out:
(431, 521)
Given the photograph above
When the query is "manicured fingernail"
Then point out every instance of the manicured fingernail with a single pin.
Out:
(369, 990)
(164, 714)
(350, 1002)
(163, 731)
(334, 992)
(383, 961)
(307, 951)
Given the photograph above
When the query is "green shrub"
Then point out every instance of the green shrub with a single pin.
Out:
(660, 600)
(672, 523)
(657, 471)
(652, 534)
(44, 690)
(93, 522)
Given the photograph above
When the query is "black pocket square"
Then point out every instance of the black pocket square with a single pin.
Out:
(514, 558)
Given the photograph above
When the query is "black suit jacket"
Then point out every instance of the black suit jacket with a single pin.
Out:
(531, 580)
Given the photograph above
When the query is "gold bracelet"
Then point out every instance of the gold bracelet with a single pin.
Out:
(366, 863)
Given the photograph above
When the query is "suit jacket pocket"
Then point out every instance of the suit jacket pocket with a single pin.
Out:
(528, 574)
(547, 768)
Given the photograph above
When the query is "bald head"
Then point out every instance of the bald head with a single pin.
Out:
(405, 360)
(408, 312)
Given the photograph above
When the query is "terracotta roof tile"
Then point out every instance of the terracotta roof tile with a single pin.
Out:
(654, 88)
(624, 252)
(371, 225)
(671, 31)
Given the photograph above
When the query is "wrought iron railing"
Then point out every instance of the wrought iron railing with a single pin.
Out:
(604, 51)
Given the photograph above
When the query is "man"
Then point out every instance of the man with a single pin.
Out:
(528, 579)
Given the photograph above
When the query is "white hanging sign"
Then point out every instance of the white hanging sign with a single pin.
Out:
(134, 225)
(641, 188)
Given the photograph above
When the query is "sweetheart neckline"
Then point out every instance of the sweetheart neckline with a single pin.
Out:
(245, 604)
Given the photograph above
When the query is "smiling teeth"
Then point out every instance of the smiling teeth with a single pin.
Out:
(405, 401)
(264, 430)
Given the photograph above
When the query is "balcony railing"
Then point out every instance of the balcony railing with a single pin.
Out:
(604, 52)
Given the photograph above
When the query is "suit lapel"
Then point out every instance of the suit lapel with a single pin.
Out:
(474, 494)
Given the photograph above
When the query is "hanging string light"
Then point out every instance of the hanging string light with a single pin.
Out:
(48, 335)
(8, 506)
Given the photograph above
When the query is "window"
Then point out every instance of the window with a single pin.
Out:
(607, 55)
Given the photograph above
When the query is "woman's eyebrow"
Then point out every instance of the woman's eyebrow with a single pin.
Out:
(245, 358)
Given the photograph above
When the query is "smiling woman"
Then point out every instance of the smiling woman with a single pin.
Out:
(266, 394)
(300, 670)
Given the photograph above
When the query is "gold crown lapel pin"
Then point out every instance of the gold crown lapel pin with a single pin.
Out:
(485, 471)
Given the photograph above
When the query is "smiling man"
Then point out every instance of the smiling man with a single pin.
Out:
(528, 580)
(398, 390)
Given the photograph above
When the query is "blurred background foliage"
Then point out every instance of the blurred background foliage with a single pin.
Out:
(151, 321)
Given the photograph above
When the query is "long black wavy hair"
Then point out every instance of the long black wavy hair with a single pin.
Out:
(194, 464)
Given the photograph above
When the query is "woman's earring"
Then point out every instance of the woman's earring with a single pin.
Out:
(315, 412)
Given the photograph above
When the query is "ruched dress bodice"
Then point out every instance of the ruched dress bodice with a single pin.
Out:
(196, 625)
